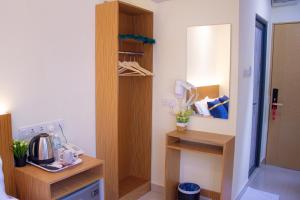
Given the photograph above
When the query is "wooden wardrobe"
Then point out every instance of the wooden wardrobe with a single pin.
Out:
(123, 104)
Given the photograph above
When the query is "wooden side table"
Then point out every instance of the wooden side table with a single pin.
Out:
(36, 184)
(200, 142)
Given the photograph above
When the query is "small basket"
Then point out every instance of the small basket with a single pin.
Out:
(181, 127)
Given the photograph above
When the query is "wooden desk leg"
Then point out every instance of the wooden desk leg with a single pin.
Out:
(172, 170)
(227, 172)
(6, 142)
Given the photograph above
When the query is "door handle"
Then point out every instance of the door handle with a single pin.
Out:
(277, 104)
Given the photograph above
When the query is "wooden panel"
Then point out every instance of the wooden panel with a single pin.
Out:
(135, 102)
(50, 178)
(191, 146)
(76, 182)
(107, 94)
(6, 154)
(141, 128)
(126, 103)
(129, 184)
(283, 136)
(138, 192)
(202, 137)
(211, 91)
(211, 194)
(30, 188)
(227, 169)
(132, 9)
(172, 173)
(125, 127)
(35, 184)
(142, 105)
(130, 134)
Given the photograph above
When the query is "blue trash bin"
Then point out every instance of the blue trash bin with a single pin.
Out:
(188, 191)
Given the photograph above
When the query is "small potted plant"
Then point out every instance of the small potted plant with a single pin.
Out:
(182, 119)
(20, 152)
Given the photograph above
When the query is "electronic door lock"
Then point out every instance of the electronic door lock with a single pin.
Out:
(275, 103)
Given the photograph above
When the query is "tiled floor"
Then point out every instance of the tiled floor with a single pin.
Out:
(156, 196)
(153, 196)
(284, 182)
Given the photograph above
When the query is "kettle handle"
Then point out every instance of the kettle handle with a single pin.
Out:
(33, 140)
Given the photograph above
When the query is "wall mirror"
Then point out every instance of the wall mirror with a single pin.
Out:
(208, 69)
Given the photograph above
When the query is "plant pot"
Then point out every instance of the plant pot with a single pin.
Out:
(181, 127)
(20, 162)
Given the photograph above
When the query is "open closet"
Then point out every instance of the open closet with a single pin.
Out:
(124, 58)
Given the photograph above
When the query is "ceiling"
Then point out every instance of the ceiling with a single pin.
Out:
(158, 1)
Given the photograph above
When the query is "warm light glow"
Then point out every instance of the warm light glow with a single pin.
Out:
(208, 56)
(3, 109)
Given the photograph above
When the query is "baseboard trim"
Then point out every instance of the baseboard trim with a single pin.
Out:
(210, 194)
(246, 185)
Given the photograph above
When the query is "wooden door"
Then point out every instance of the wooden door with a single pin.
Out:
(283, 147)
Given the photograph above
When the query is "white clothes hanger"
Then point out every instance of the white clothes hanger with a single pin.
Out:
(125, 65)
(136, 65)
(136, 69)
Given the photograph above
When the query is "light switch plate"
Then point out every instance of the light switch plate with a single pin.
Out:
(247, 72)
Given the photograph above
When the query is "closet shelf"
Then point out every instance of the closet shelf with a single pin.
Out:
(196, 147)
(132, 53)
(137, 75)
(132, 69)
(131, 41)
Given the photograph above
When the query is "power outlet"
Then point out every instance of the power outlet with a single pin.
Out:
(28, 132)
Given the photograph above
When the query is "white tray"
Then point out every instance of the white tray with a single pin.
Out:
(78, 161)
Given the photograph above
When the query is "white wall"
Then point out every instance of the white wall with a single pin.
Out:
(147, 4)
(171, 21)
(248, 11)
(286, 14)
(47, 64)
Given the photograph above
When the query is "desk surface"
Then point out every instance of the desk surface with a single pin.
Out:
(49, 178)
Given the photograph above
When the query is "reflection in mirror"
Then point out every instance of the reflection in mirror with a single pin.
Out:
(208, 68)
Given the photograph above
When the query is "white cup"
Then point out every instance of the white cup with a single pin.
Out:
(59, 154)
(67, 157)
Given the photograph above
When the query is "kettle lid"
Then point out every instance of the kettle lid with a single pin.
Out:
(43, 135)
